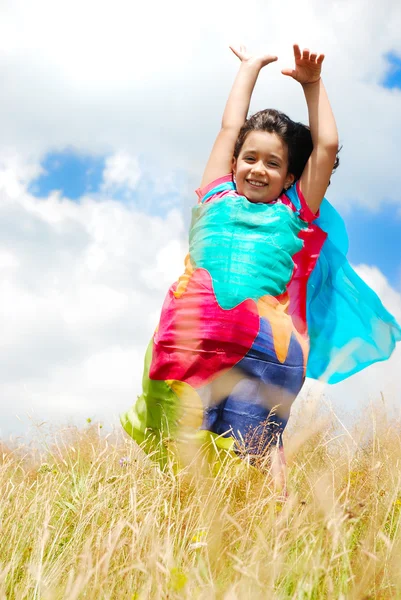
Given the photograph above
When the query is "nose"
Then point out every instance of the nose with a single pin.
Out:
(259, 168)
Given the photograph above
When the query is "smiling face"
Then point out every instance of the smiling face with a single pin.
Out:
(261, 169)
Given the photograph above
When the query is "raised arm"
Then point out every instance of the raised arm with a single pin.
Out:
(235, 113)
(316, 176)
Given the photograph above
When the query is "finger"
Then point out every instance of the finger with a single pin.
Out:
(269, 59)
(289, 72)
(305, 53)
(320, 59)
(297, 51)
(236, 52)
(313, 57)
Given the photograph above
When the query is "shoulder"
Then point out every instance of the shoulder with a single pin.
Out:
(218, 188)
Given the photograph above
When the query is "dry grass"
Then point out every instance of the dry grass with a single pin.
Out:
(92, 517)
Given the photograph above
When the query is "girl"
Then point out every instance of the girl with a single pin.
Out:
(267, 296)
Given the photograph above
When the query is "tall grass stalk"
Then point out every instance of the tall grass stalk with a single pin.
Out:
(91, 516)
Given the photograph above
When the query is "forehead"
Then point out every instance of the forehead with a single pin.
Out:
(264, 142)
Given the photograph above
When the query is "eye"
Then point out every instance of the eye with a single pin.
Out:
(273, 164)
(249, 158)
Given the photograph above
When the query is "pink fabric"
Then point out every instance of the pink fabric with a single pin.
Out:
(304, 261)
(193, 325)
(201, 192)
(305, 213)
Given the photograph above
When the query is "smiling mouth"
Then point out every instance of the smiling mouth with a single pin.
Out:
(256, 184)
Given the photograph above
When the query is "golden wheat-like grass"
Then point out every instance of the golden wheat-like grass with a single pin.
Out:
(90, 516)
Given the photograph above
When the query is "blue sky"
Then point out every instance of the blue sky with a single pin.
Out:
(392, 78)
(74, 174)
(70, 172)
(375, 239)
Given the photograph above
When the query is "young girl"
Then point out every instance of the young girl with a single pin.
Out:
(267, 296)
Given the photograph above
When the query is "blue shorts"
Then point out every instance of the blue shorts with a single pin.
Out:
(255, 405)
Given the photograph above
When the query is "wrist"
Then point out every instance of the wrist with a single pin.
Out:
(311, 83)
(253, 65)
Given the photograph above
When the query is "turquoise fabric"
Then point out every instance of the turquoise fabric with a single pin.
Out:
(349, 327)
(256, 243)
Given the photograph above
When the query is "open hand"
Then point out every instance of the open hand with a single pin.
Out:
(308, 66)
(262, 60)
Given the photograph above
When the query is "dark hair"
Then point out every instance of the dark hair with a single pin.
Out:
(296, 136)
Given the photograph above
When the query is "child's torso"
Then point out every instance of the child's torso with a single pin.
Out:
(247, 249)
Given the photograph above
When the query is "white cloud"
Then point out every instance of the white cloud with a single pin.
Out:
(16, 171)
(121, 171)
(161, 276)
(80, 294)
(153, 79)
(82, 283)
(377, 281)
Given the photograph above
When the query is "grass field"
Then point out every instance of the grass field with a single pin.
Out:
(90, 516)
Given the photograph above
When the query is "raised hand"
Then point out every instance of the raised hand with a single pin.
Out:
(261, 60)
(308, 66)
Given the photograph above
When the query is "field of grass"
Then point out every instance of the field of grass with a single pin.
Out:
(90, 516)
